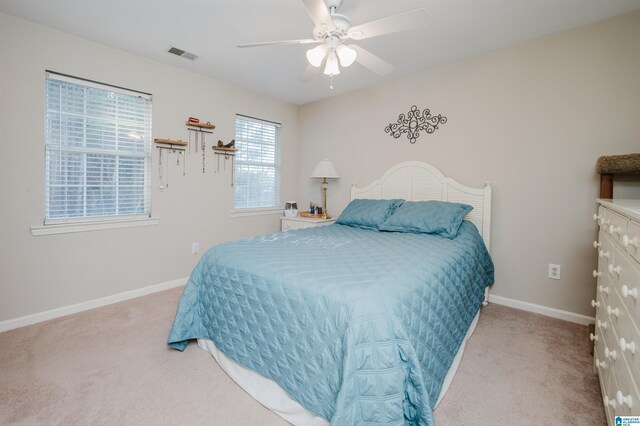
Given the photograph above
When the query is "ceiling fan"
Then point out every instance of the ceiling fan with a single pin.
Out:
(332, 31)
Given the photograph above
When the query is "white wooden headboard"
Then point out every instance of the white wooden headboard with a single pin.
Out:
(418, 181)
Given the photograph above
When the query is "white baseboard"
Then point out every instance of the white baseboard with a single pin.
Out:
(13, 323)
(542, 310)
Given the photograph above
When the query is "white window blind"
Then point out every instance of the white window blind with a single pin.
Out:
(257, 163)
(97, 143)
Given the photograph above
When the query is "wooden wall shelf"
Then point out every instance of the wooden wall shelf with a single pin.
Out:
(170, 142)
(206, 125)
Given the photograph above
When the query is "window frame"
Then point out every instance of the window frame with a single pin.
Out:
(96, 221)
(277, 165)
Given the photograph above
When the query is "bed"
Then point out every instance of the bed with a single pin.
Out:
(344, 324)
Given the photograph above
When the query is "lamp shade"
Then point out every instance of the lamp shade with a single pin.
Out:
(346, 55)
(316, 55)
(331, 67)
(325, 169)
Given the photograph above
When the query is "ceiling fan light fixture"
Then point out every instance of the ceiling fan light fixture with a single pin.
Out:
(316, 55)
(331, 68)
(346, 54)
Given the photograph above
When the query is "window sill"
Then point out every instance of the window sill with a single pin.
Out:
(255, 212)
(71, 227)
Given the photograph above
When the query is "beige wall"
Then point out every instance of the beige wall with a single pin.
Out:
(531, 119)
(41, 273)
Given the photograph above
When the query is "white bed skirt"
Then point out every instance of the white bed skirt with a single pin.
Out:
(271, 395)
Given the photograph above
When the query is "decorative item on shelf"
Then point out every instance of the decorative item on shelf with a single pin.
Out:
(230, 146)
(414, 123)
(291, 209)
(324, 170)
(228, 151)
(170, 146)
(199, 130)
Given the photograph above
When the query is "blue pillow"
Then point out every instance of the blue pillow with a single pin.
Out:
(368, 214)
(427, 217)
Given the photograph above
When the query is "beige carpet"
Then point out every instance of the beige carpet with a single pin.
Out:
(112, 366)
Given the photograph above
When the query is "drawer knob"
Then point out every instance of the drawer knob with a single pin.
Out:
(626, 241)
(621, 399)
(595, 304)
(603, 289)
(603, 253)
(597, 245)
(599, 219)
(630, 346)
(629, 293)
(615, 311)
(611, 354)
(603, 324)
(614, 269)
(601, 364)
(593, 337)
(596, 274)
(609, 402)
(615, 229)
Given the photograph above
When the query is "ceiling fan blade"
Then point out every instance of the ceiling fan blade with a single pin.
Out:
(391, 24)
(371, 61)
(309, 73)
(270, 43)
(319, 13)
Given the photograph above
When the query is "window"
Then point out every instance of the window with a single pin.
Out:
(97, 146)
(257, 163)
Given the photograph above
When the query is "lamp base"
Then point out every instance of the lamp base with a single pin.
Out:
(325, 215)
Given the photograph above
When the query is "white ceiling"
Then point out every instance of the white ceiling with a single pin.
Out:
(457, 29)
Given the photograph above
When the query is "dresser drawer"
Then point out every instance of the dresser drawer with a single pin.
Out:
(632, 240)
(628, 285)
(604, 290)
(607, 383)
(623, 390)
(627, 335)
(606, 251)
(601, 217)
(289, 224)
(617, 226)
(602, 362)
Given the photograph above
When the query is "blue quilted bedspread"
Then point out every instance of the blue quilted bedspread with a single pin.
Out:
(359, 326)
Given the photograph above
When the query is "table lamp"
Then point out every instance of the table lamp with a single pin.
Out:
(325, 170)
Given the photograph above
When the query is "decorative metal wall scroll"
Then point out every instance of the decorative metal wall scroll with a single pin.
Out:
(414, 123)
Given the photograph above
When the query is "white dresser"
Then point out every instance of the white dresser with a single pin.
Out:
(617, 330)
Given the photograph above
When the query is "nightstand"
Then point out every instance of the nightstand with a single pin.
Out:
(289, 223)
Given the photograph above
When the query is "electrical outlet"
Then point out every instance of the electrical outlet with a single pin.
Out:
(195, 248)
(554, 271)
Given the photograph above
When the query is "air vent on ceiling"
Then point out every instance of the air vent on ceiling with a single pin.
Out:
(183, 54)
